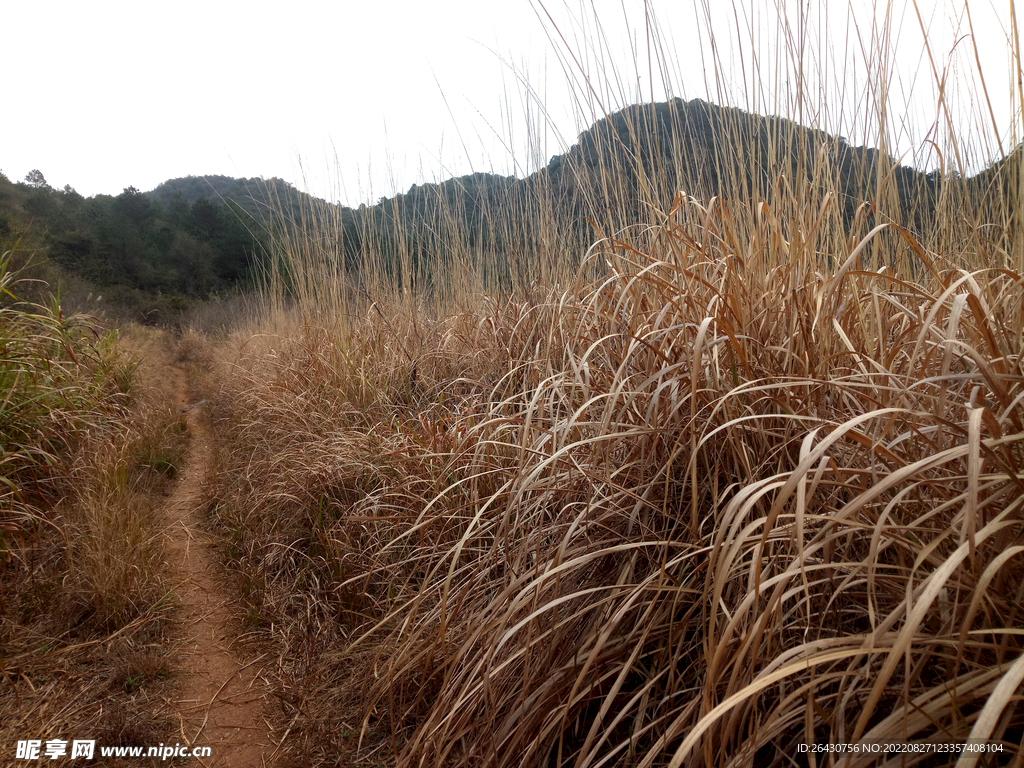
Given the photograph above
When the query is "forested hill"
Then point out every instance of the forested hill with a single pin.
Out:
(707, 150)
(627, 169)
(621, 172)
(140, 254)
(195, 235)
(616, 167)
(260, 199)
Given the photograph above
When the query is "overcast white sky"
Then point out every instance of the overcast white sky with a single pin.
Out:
(107, 94)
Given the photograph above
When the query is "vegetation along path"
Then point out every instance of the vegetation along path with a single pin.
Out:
(221, 695)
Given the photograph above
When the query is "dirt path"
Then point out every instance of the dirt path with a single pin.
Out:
(221, 695)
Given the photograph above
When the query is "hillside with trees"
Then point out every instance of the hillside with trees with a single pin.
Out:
(194, 236)
(260, 200)
(139, 252)
(605, 182)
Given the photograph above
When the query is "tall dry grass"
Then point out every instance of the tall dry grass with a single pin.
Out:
(87, 443)
(742, 475)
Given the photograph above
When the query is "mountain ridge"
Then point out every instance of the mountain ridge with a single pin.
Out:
(688, 139)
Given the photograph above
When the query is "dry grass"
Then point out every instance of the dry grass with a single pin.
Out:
(745, 476)
(89, 442)
(671, 503)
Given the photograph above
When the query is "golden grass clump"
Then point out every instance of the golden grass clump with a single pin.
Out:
(712, 506)
(114, 544)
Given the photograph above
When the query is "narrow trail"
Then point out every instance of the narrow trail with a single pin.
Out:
(221, 695)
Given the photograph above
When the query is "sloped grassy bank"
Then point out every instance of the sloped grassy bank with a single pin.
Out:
(718, 502)
(86, 441)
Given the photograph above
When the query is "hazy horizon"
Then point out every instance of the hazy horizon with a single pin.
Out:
(352, 104)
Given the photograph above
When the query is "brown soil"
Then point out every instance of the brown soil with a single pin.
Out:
(221, 695)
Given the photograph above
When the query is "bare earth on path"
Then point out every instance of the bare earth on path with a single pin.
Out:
(221, 695)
